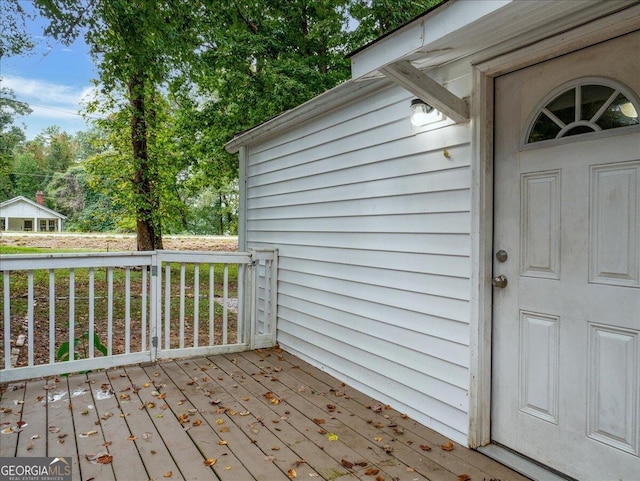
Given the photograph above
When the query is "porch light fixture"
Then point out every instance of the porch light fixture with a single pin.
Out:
(420, 112)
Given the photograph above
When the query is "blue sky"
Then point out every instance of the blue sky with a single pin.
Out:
(53, 81)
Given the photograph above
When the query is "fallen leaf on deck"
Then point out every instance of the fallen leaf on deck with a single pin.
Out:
(380, 478)
(210, 461)
(275, 448)
(244, 413)
(319, 421)
(332, 437)
(270, 458)
(448, 446)
(268, 395)
(292, 473)
(424, 447)
(464, 477)
(133, 437)
(87, 434)
(347, 464)
(410, 469)
(222, 443)
(35, 436)
(275, 401)
(371, 471)
(377, 439)
(197, 422)
(155, 393)
(219, 421)
(106, 443)
(29, 446)
(5, 410)
(162, 395)
(224, 430)
(104, 459)
(183, 418)
(54, 429)
(146, 384)
(227, 468)
(245, 398)
(7, 431)
(168, 474)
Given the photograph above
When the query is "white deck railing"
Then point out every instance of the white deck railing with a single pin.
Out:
(74, 312)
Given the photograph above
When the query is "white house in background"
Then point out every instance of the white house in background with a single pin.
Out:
(479, 271)
(22, 214)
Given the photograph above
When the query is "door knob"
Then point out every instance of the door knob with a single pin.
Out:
(499, 281)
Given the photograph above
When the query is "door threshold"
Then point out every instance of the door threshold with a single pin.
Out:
(522, 464)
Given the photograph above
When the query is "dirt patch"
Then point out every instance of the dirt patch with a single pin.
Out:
(115, 242)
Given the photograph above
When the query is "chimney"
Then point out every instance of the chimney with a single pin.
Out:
(40, 197)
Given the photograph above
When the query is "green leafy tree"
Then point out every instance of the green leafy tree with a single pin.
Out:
(137, 46)
(11, 136)
(14, 39)
(377, 17)
(87, 207)
(26, 176)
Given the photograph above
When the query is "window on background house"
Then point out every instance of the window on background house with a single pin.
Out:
(27, 225)
(43, 225)
(3, 225)
(52, 225)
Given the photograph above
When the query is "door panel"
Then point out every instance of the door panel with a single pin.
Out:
(566, 327)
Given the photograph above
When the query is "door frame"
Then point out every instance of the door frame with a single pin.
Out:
(484, 73)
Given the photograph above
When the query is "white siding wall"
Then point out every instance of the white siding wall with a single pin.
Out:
(372, 223)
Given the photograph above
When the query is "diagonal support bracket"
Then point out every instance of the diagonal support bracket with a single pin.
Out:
(427, 89)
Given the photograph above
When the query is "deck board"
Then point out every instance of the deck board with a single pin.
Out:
(228, 414)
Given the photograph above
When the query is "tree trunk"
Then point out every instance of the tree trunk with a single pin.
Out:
(148, 229)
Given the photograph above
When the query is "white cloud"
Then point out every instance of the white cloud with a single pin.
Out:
(43, 92)
(51, 104)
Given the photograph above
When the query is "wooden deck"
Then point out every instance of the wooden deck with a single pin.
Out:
(260, 415)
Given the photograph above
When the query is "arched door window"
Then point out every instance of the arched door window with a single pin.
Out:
(582, 107)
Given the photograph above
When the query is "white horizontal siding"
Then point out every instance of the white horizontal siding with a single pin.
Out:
(372, 225)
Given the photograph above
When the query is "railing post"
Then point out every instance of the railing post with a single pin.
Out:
(154, 305)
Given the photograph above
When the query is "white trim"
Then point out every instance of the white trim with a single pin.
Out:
(600, 30)
(482, 193)
(481, 259)
(242, 203)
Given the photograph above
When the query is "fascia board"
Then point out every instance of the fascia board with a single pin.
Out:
(449, 18)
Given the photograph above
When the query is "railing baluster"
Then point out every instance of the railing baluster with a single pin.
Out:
(7, 319)
(225, 306)
(196, 303)
(30, 317)
(52, 316)
(167, 307)
(110, 310)
(127, 310)
(240, 312)
(72, 314)
(91, 312)
(212, 305)
(143, 309)
(182, 275)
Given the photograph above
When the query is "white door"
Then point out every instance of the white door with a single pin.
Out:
(566, 327)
